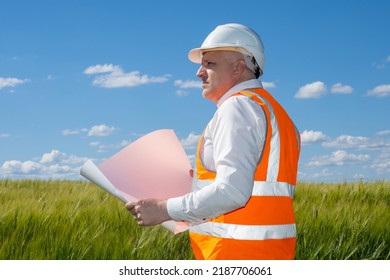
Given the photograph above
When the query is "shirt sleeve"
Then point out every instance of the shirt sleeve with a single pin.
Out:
(237, 132)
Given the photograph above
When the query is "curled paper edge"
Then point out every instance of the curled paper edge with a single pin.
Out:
(91, 172)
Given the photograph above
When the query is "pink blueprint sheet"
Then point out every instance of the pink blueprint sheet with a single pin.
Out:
(154, 166)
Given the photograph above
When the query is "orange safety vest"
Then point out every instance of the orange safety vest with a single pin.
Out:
(265, 227)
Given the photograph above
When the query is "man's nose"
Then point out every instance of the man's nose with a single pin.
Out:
(200, 72)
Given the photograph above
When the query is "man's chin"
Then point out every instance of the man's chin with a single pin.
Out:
(208, 95)
(205, 94)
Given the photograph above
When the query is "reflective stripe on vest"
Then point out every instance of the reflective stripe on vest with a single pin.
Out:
(245, 232)
(259, 188)
(273, 161)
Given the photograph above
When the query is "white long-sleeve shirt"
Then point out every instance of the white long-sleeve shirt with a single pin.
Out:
(232, 146)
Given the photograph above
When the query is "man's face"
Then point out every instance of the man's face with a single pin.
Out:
(217, 73)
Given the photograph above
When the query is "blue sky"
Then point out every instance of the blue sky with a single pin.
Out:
(82, 79)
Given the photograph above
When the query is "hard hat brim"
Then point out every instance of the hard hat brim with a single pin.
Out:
(195, 55)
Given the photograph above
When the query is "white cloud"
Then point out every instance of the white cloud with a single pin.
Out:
(192, 159)
(112, 76)
(269, 84)
(340, 88)
(18, 167)
(73, 131)
(188, 84)
(72, 159)
(382, 167)
(102, 148)
(181, 92)
(384, 132)
(347, 141)
(96, 130)
(57, 157)
(381, 163)
(313, 90)
(380, 91)
(191, 141)
(338, 158)
(132, 79)
(382, 64)
(311, 136)
(11, 82)
(101, 130)
(124, 143)
(324, 173)
(359, 176)
(33, 169)
(53, 156)
(94, 144)
(356, 142)
(58, 169)
(377, 158)
(4, 135)
(54, 164)
(105, 68)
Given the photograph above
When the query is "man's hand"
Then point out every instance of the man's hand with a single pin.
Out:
(149, 212)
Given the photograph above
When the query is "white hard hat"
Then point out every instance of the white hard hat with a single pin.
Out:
(234, 37)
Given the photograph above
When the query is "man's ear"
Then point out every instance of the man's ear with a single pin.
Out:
(239, 66)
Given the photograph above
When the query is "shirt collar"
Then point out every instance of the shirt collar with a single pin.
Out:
(254, 83)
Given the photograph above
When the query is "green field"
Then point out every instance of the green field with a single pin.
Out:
(76, 220)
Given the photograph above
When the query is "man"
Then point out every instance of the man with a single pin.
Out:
(241, 206)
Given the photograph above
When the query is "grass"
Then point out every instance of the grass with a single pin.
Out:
(343, 221)
(75, 220)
